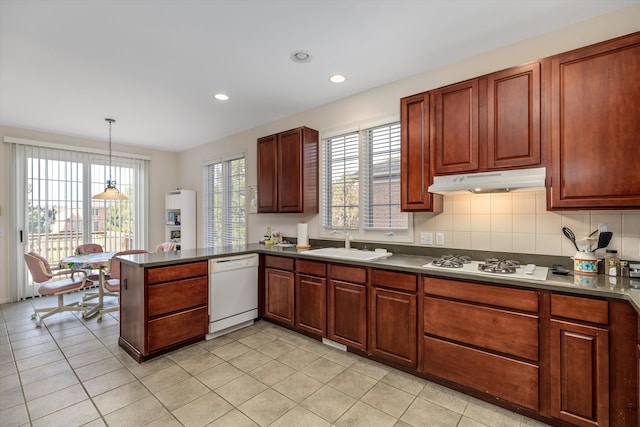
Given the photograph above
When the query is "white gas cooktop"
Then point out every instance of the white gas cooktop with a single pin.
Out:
(539, 273)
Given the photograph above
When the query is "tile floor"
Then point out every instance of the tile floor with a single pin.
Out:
(71, 372)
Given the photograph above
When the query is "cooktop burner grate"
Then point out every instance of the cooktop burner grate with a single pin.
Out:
(451, 261)
(494, 265)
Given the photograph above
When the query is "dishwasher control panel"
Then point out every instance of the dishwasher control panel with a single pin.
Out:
(233, 263)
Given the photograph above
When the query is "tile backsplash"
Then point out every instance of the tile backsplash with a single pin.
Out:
(519, 222)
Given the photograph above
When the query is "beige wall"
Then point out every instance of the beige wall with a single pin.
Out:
(500, 225)
(163, 177)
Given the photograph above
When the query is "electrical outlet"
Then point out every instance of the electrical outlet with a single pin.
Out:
(440, 239)
(426, 238)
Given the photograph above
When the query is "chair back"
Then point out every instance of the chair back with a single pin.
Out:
(38, 267)
(166, 247)
(114, 264)
(89, 248)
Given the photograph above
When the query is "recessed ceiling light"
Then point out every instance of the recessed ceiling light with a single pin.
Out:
(300, 56)
(337, 78)
(221, 97)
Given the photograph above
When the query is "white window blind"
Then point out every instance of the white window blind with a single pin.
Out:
(381, 178)
(224, 215)
(341, 182)
(361, 184)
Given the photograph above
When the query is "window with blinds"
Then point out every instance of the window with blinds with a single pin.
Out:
(361, 184)
(224, 207)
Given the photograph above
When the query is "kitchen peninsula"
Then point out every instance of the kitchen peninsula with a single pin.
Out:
(535, 342)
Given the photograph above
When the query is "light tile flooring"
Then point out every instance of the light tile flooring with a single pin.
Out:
(71, 372)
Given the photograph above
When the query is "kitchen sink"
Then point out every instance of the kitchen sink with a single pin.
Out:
(350, 254)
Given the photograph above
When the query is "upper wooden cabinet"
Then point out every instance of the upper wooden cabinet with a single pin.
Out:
(490, 122)
(288, 172)
(594, 125)
(456, 128)
(415, 165)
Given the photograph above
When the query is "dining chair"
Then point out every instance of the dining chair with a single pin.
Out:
(93, 276)
(112, 285)
(46, 277)
(166, 247)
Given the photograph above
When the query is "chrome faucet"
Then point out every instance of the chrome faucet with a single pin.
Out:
(347, 241)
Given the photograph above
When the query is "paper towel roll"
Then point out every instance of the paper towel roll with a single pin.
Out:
(303, 235)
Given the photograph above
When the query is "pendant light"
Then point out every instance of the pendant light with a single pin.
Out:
(110, 192)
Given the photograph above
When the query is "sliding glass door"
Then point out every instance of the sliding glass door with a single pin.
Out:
(55, 212)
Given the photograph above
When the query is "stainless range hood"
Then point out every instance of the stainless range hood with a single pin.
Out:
(489, 182)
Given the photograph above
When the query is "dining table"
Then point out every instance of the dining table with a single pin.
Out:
(97, 261)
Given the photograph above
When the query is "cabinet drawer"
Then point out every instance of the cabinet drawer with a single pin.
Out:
(498, 376)
(517, 299)
(170, 330)
(578, 308)
(347, 273)
(173, 296)
(499, 330)
(176, 272)
(311, 267)
(279, 262)
(394, 280)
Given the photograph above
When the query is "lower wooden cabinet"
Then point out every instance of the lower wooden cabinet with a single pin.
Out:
(347, 306)
(279, 295)
(311, 304)
(393, 317)
(162, 308)
(579, 373)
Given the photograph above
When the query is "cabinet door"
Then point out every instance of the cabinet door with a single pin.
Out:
(456, 128)
(393, 326)
(594, 126)
(415, 167)
(579, 374)
(513, 110)
(267, 174)
(279, 295)
(311, 304)
(290, 171)
(347, 313)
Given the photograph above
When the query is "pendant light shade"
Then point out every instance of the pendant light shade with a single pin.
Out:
(110, 192)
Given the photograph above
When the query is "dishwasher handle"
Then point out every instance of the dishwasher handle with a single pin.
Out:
(236, 262)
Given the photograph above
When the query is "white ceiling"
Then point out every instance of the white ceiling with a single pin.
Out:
(154, 65)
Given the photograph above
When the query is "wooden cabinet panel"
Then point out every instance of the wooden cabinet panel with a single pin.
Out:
(168, 331)
(513, 117)
(394, 280)
(517, 299)
(347, 313)
(314, 268)
(594, 95)
(507, 332)
(579, 374)
(415, 164)
(279, 262)
(311, 304)
(279, 295)
(504, 378)
(267, 173)
(579, 308)
(348, 273)
(393, 326)
(177, 295)
(288, 172)
(456, 128)
(176, 272)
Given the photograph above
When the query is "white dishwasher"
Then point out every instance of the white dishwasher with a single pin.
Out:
(233, 293)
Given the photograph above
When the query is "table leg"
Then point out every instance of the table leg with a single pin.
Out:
(98, 306)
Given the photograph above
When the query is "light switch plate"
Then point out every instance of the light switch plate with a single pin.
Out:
(440, 239)
(426, 238)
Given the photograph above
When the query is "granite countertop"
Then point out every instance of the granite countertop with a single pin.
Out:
(598, 285)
